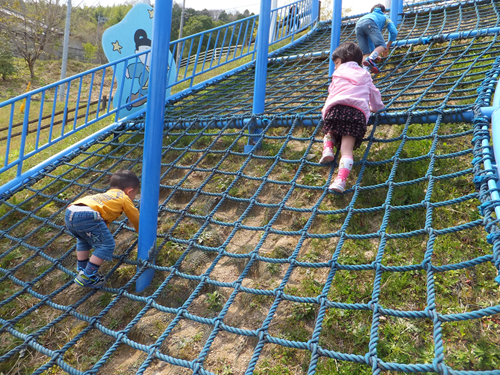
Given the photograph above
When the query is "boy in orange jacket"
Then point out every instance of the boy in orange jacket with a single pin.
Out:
(88, 219)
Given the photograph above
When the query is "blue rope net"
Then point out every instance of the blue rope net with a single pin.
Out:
(259, 268)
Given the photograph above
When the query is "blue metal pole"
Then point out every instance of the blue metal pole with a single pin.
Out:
(400, 9)
(259, 88)
(394, 11)
(153, 138)
(336, 24)
(315, 11)
(24, 135)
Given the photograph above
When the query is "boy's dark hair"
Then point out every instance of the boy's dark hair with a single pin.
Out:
(348, 52)
(124, 179)
(381, 6)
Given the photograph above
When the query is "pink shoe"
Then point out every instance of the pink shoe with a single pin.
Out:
(327, 155)
(338, 185)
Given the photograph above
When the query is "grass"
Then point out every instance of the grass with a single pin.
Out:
(200, 215)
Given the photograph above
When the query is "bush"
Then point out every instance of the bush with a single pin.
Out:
(89, 51)
(6, 66)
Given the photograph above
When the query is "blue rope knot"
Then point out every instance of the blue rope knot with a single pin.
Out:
(373, 305)
(492, 237)
(120, 335)
(476, 160)
(480, 119)
(261, 333)
(440, 367)
(152, 349)
(30, 337)
(313, 346)
(487, 206)
(426, 264)
(143, 263)
(372, 360)
(196, 367)
(430, 231)
(432, 314)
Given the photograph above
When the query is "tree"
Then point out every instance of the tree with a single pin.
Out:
(327, 10)
(32, 27)
(6, 59)
(223, 16)
(197, 24)
(214, 13)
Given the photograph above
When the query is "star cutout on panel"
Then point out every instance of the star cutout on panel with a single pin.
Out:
(117, 47)
(151, 12)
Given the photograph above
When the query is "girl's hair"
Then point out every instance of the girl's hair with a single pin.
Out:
(348, 52)
(381, 6)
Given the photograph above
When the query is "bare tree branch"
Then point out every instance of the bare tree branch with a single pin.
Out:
(32, 27)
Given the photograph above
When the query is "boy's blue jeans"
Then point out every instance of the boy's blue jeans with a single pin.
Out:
(91, 232)
(369, 36)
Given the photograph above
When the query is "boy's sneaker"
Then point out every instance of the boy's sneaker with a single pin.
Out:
(79, 269)
(94, 281)
(338, 185)
(371, 64)
(327, 155)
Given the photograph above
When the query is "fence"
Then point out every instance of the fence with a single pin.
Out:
(214, 53)
(87, 90)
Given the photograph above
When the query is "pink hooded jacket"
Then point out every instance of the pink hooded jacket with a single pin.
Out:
(353, 86)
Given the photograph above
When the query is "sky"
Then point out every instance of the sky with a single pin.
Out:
(358, 6)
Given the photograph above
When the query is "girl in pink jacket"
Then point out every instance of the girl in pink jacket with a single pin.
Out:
(347, 109)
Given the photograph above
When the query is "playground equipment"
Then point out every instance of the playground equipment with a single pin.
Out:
(256, 229)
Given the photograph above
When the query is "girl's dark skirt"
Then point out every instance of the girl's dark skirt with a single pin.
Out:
(343, 120)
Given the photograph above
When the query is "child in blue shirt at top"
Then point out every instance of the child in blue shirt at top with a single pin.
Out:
(369, 33)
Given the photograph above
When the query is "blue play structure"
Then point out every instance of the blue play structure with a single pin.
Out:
(245, 262)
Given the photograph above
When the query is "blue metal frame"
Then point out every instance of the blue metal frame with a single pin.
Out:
(315, 11)
(395, 11)
(39, 139)
(289, 23)
(33, 172)
(495, 136)
(447, 4)
(259, 89)
(390, 118)
(46, 94)
(236, 32)
(336, 25)
(153, 140)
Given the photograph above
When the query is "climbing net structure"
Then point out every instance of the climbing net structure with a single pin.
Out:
(259, 268)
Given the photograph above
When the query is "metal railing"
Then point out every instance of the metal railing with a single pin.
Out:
(213, 53)
(46, 122)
